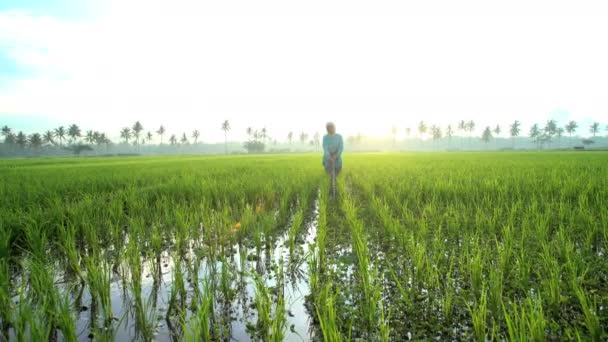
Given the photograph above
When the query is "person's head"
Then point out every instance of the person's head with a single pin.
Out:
(331, 128)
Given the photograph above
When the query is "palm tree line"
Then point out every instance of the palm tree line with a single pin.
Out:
(72, 135)
(540, 135)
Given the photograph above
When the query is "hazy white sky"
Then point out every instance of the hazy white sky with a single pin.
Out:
(287, 65)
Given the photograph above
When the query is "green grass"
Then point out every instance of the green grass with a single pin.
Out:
(449, 246)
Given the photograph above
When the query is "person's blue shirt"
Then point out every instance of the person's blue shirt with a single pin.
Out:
(333, 144)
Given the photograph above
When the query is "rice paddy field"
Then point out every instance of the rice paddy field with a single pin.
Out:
(439, 246)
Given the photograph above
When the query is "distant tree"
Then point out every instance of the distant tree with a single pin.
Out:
(497, 130)
(173, 139)
(74, 133)
(60, 134)
(535, 134)
(89, 137)
(470, 128)
(35, 140)
(594, 128)
(303, 138)
(264, 134)
(571, 128)
(559, 132)
(486, 136)
(161, 131)
(551, 127)
(316, 140)
(514, 131)
(78, 148)
(195, 135)
(149, 136)
(226, 129)
(408, 132)
(249, 131)
(6, 131)
(184, 139)
(436, 133)
(125, 133)
(422, 128)
(290, 138)
(449, 132)
(587, 142)
(47, 138)
(21, 139)
(462, 127)
(137, 129)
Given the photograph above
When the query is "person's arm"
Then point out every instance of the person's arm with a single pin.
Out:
(325, 146)
(340, 146)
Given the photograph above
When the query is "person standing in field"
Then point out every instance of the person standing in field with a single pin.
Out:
(332, 149)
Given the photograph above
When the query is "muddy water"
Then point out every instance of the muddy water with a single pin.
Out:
(240, 312)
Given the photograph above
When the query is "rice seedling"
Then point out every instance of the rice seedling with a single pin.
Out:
(456, 246)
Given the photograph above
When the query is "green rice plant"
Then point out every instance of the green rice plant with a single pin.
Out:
(479, 316)
(495, 288)
(99, 278)
(67, 244)
(296, 224)
(199, 327)
(589, 308)
(526, 321)
(263, 308)
(278, 325)
(326, 314)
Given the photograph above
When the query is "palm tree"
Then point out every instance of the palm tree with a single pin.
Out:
(594, 128)
(137, 128)
(21, 139)
(486, 136)
(102, 139)
(559, 133)
(317, 140)
(47, 138)
(173, 140)
(35, 140)
(303, 137)
(449, 132)
(496, 131)
(89, 137)
(184, 139)
(462, 127)
(125, 133)
(515, 130)
(74, 133)
(422, 128)
(471, 127)
(60, 134)
(195, 135)
(571, 128)
(161, 132)
(290, 139)
(149, 136)
(435, 133)
(6, 131)
(249, 131)
(551, 127)
(535, 134)
(226, 128)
